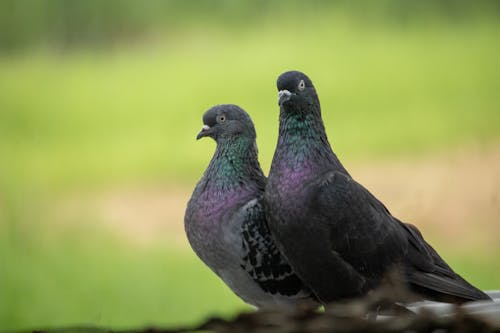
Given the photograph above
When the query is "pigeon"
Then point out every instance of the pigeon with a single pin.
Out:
(337, 236)
(225, 220)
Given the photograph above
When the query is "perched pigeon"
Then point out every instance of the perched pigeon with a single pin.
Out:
(335, 234)
(225, 221)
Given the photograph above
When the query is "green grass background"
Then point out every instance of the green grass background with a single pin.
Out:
(84, 119)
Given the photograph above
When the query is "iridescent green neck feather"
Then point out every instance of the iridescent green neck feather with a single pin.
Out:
(303, 144)
(235, 164)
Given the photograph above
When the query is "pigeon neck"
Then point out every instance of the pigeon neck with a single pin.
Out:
(302, 136)
(303, 145)
(234, 163)
(233, 177)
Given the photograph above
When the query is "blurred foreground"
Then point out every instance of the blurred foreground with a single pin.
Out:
(346, 317)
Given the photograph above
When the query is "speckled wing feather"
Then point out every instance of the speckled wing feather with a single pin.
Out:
(262, 259)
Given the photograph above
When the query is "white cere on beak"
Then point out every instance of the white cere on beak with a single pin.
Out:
(205, 128)
(283, 95)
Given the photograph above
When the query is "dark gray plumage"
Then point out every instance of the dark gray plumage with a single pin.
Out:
(335, 234)
(225, 221)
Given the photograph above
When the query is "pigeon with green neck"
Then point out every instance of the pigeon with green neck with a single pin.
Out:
(341, 240)
(225, 221)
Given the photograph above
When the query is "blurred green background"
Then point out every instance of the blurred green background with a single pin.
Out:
(100, 102)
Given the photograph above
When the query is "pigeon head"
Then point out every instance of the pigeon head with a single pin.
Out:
(296, 92)
(226, 121)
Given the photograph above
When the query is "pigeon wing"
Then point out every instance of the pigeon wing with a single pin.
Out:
(428, 273)
(360, 229)
(262, 259)
(371, 240)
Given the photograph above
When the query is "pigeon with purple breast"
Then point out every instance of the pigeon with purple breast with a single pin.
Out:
(225, 221)
(338, 237)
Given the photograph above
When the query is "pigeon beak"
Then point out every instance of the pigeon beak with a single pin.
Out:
(205, 131)
(283, 96)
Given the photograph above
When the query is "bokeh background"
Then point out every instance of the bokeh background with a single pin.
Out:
(100, 102)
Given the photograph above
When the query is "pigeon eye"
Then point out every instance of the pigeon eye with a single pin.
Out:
(302, 85)
(221, 118)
